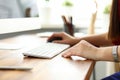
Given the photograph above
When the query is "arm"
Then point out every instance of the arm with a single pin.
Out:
(98, 40)
(85, 46)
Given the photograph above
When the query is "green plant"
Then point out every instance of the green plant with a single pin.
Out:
(47, 0)
(67, 3)
(107, 9)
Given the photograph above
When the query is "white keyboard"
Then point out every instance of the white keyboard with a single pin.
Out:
(46, 50)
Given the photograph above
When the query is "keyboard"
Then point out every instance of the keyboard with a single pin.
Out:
(46, 50)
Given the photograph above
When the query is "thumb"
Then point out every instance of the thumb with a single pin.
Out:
(59, 41)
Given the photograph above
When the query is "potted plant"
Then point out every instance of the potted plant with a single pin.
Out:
(106, 14)
(107, 9)
(67, 3)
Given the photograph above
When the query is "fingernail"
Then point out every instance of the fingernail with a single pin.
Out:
(64, 55)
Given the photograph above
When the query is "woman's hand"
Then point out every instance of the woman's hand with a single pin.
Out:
(82, 49)
(66, 38)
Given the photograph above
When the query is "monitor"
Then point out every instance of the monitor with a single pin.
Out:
(19, 15)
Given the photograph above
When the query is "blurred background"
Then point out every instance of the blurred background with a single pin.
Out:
(88, 16)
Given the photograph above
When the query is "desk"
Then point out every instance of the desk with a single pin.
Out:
(57, 68)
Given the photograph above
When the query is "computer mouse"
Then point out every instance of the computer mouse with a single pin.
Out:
(54, 38)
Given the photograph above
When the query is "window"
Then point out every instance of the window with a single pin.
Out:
(81, 11)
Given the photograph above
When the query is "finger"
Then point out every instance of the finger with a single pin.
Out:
(56, 34)
(52, 36)
(62, 41)
(59, 41)
(67, 54)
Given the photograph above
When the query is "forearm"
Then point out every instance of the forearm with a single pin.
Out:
(98, 40)
(105, 54)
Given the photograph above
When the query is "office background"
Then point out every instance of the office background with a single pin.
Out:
(81, 13)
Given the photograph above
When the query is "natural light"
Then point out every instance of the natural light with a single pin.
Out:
(80, 10)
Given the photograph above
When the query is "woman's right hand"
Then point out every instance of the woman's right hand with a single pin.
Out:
(66, 38)
(83, 49)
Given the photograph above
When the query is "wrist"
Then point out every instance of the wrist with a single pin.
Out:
(104, 54)
(98, 54)
(76, 40)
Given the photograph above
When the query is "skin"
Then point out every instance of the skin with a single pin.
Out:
(87, 47)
